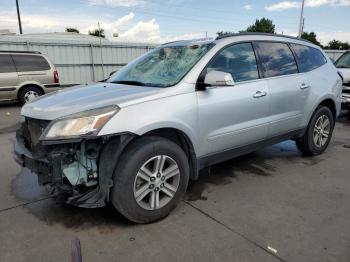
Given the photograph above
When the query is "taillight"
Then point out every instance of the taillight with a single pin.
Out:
(55, 76)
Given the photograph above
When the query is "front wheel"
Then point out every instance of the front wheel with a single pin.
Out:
(150, 179)
(318, 133)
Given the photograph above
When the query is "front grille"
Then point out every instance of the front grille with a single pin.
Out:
(32, 130)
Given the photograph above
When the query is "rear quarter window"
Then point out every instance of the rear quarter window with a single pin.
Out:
(26, 63)
(277, 59)
(6, 64)
(308, 58)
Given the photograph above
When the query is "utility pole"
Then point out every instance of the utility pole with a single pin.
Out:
(19, 18)
(301, 19)
(99, 35)
(302, 28)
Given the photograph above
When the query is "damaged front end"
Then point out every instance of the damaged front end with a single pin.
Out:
(80, 169)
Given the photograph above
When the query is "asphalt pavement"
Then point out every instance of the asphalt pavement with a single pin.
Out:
(271, 205)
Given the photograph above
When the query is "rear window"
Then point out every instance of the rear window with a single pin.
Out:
(25, 63)
(6, 64)
(277, 59)
(308, 58)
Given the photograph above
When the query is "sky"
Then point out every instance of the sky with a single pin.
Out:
(160, 21)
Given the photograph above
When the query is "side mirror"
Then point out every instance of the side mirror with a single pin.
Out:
(218, 78)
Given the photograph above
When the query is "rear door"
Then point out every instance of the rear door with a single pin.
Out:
(33, 68)
(8, 77)
(286, 96)
(233, 116)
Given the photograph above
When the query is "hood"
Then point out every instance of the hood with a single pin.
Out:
(346, 73)
(84, 97)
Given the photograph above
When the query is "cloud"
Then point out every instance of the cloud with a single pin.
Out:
(326, 37)
(125, 3)
(128, 29)
(114, 26)
(308, 3)
(248, 7)
(149, 31)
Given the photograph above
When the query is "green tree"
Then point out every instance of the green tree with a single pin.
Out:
(262, 25)
(312, 37)
(337, 45)
(72, 30)
(224, 33)
(97, 32)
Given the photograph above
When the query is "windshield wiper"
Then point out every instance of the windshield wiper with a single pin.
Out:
(343, 66)
(129, 82)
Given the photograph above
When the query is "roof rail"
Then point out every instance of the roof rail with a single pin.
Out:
(171, 42)
(257, 33)
(20, 52)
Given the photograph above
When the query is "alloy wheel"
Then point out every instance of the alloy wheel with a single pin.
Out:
(321, 131)
(30, 95)
(156, 182)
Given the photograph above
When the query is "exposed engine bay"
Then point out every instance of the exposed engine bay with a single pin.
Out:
(78, 168)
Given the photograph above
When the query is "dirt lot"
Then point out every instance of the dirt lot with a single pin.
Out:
(237, 211)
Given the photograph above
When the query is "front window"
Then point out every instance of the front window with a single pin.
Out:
(162, 67)
(343, 61)
(238, 60)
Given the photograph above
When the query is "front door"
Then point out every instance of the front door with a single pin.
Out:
(233, 116)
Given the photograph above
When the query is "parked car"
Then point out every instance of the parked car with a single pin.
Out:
(136, 140)
(343, 65)
(26, 75)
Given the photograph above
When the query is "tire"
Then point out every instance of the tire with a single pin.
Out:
(129, 181)
(307, 144)
(34, 91)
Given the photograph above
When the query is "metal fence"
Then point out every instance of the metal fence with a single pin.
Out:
(80, 62)
(334, 54)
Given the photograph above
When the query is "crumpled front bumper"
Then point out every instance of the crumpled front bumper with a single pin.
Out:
(47, 165)
(26, 159)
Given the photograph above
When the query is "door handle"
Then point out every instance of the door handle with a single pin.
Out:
(259, 94)
(304, 86)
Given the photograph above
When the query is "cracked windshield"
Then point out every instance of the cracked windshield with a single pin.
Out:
(163, 67)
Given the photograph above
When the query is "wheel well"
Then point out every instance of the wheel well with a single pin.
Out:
(22, 87)
(331, 105)
(182, 140)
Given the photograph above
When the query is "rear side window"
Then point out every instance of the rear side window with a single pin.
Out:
(277, 59)
(25, 63)
(6, 64)
(308, 58)
(238, 60)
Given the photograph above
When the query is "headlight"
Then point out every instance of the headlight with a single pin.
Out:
(85, 123)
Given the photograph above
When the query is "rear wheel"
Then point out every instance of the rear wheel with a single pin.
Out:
(29, 93)
(318, 133)
(150, 179)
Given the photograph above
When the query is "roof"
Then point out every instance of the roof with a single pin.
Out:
(19, 52)
(261, 34)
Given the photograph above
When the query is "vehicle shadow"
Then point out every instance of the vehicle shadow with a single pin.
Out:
(52, 210)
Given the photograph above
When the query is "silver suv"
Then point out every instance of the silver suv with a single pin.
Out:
(26, 75)
(136, 140)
